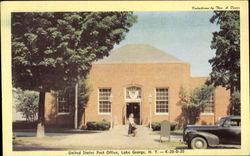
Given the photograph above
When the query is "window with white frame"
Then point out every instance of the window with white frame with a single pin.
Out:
(161, 100)
(210, 107)
(63, 102)
(104, 100)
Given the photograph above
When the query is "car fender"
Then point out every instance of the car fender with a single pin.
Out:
(211, 138)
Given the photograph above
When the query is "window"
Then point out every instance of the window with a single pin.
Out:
(105, 100)
(232, 123)
(161, 100)
(63, 102)
(210, 107)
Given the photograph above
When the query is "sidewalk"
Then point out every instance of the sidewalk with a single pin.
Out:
(116, 138)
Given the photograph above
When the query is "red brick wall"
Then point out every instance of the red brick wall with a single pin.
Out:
(52, 118)
(147, 76)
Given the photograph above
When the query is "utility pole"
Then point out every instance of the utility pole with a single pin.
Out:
(150, 97)
(76, 104)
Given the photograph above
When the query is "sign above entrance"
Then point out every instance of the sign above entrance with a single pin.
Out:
(133, 93)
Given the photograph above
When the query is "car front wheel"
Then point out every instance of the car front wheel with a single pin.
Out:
(198, 143)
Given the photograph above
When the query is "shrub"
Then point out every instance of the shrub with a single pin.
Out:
(98, 125)
(24, 125)
(156, 126)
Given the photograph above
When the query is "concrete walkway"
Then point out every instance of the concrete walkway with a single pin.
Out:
(116, 138)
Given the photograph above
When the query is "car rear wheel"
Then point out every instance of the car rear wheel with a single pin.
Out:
(198, 143)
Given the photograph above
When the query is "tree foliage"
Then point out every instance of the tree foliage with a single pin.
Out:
(193, 102)
(53, 50)
(226, 42)
(26, 102)
(235, 103)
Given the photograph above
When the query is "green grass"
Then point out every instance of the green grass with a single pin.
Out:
(46, 138)
(175, 144)
(177, 132)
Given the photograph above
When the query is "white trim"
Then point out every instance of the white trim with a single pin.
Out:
(161, 113)
(104, 113)
(63, 113)
(133, 100)
(206, 113)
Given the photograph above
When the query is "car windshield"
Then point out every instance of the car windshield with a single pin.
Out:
(221, 121)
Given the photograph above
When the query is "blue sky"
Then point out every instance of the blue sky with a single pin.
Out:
(185, 35)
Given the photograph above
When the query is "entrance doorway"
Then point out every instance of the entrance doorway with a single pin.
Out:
(135, 109)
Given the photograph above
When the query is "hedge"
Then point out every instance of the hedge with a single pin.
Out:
(98, 125)
(156, 126)
(33, 125)
(24, 125)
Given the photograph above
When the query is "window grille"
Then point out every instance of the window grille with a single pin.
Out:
(105, 100)
(161, 100)
(63, 103)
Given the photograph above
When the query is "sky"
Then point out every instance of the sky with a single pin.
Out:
(185, 35)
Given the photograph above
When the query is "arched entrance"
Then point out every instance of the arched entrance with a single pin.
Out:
(133, 103)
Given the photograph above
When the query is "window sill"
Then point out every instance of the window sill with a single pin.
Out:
(104, 113)
(161, 113)
(63, 113)
(207, 114)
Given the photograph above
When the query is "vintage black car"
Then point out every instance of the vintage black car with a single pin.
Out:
(227, 131)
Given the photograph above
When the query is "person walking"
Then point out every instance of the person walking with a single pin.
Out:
(131, 129)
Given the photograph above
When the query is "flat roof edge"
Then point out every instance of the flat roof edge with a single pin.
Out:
(170, 62)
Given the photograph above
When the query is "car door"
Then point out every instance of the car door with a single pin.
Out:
(231, 132)
(235, 131)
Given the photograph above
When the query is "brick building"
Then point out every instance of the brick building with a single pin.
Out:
(137, 79)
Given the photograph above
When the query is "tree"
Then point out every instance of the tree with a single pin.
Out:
(27, 103)
(193, 102)
(235, 103)
(53, 50)
(226, 42)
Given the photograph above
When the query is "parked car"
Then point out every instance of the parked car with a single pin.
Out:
(227, 131)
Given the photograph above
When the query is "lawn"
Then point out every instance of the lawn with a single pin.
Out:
(46, 138)
(175, 144)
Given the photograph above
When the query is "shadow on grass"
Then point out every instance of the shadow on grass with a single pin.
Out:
(20, 146)
(181, 147)
(71, 131)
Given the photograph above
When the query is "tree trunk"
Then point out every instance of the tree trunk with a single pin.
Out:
(232, 105)
(40, 126)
